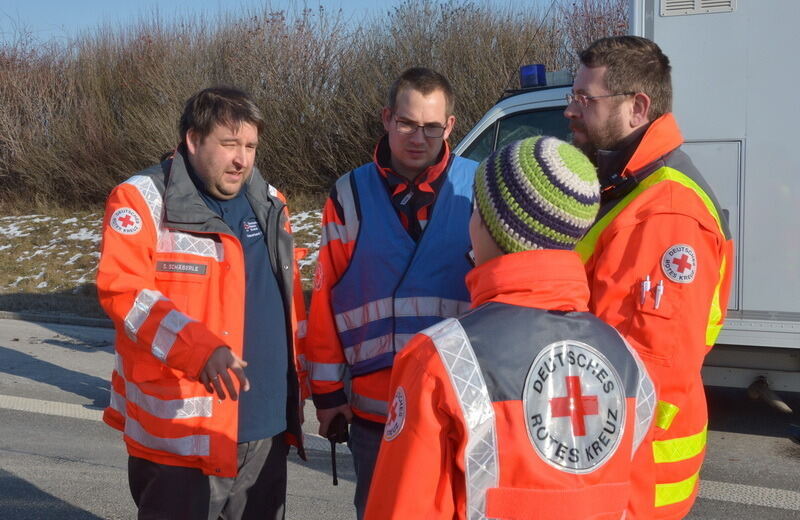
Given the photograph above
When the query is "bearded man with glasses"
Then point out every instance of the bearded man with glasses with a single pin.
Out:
(392, 261)
(659, 258)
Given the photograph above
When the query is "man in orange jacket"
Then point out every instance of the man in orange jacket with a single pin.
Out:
(392, 261)
(659, 258)
(528, 407)
(197, 272)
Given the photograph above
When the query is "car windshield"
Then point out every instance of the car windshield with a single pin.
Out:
(517, 126)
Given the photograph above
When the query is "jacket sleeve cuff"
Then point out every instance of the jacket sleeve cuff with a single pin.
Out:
(330, 400)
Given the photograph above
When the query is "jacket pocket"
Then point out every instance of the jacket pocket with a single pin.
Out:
(185, 282)
(654, 331)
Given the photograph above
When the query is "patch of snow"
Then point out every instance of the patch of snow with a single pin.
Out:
(41, 285)
(72, 260)
(13, 231)
(85, 234)
(37, 252)
(69, 221)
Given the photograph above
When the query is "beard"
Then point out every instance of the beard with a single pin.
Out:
(607, 137)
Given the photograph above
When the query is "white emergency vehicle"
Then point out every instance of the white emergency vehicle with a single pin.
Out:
(736, 81)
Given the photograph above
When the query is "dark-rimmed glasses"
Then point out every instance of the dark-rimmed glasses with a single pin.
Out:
(409, 128)
(583, 99)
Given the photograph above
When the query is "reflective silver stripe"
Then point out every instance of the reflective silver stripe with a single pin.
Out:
(170, 241)
(430, 306)
(196, 445)
(366, 404)
(302, 362)
(360, 316)
(169, 408)
(168, 330)
(326, 371)
(140, 310)
(117, 402)
(151, 196)
(334, 231)
(645, 401)
(375, 347)
(302, 329)
(368, 349)
(344, 191)
(401, 307)
(118, 365)
(481, 461)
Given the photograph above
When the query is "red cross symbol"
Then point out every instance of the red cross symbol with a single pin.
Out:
(682, 263)
(126, 221)
(575, 405)
(393, 412)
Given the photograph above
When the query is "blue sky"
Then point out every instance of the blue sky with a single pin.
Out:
(63, 19)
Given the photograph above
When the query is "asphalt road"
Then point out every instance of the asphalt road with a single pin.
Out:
(59, 461)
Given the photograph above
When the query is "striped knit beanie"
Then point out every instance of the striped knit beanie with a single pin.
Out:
(538, 193)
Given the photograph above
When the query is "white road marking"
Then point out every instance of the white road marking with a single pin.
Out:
(750, 495)
(24, 404)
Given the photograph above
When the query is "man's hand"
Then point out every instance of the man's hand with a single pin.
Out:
(326, 415)
(215, 373)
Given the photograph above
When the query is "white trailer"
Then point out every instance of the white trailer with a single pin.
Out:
(736, 81)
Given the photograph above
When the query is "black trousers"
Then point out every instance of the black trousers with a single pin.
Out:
(163, 492)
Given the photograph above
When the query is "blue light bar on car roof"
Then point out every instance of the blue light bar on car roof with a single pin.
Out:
(532, 76)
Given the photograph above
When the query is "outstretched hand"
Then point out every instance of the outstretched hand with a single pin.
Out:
(216, 374)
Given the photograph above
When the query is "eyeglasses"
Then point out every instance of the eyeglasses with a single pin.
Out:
(583, 100)
(409, 128)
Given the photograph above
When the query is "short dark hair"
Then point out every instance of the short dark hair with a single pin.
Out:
(222, 105)
(424, 81)
(633, 64)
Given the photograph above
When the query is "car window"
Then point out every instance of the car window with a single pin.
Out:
(519, 126)
(539, 122)
(482, 146)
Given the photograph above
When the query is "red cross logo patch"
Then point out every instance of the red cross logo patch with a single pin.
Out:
(125, 221)
(679, 263)
(574, 404)
(397, 415)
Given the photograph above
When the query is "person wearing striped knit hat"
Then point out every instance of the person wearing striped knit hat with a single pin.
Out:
(527, 406)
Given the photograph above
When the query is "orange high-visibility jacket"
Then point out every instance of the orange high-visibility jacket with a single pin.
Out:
(528, 407)
(659, 262)
(171, 277)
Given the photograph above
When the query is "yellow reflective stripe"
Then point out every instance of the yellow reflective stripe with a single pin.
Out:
(674, 492)
(680, 448)
(665, 413)
(715, 315)
(587, 244)
(671, 174)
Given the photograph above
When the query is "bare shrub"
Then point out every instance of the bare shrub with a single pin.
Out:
(77, 118)
(584, 21)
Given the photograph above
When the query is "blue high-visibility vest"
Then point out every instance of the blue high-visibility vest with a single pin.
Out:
(394, 287)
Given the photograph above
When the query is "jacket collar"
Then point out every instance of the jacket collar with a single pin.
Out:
(184, 207)
(382, 157)
(544, 279)
(661, 137)
(619, 171)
